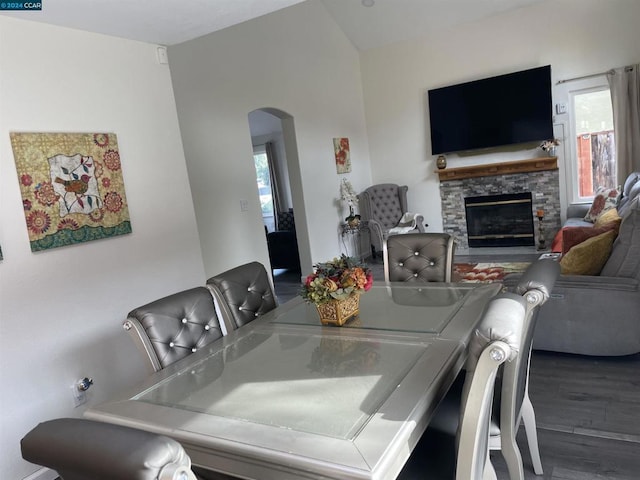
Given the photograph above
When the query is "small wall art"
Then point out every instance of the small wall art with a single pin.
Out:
(343, 155)
(71, 186)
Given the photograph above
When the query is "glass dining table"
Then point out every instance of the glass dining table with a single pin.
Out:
(286, 398)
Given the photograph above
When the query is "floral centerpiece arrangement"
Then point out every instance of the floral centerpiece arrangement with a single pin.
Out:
(349, 195)
(335, 288)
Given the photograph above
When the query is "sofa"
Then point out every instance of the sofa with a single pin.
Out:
(597, 314)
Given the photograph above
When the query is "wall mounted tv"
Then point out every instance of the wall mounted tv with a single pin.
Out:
(504, 110)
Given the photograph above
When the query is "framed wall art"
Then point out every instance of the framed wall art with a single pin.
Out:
(343, 155)
(72, 187)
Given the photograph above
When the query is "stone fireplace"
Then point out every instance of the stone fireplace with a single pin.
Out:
(537, 178)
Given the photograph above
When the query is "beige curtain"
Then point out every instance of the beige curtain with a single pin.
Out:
(624, 84)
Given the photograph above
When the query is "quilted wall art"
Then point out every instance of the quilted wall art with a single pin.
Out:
(71, 186)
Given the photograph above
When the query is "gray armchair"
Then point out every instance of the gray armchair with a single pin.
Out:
(382, 207)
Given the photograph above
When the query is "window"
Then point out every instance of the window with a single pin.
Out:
(263, 178)
(593, 141)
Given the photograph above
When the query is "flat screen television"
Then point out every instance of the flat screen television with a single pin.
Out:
(504, 110)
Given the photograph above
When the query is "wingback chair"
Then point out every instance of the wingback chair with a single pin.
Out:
(382, 207)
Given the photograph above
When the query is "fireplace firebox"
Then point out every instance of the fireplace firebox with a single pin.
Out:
(500, 220)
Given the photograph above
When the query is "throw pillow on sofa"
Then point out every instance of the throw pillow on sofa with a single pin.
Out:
(588, 257)
(605, 199)
(607, 216)
(573, 236)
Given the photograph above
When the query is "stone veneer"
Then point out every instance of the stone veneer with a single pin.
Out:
(543, 185)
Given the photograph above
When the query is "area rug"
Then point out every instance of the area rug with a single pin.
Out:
(486, 272)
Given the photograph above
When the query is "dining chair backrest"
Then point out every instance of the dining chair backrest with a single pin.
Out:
(418, 257)
(243, 293)
(466, 414)
(502, 323)
(173, 327)
(80, 449)
(512, 397)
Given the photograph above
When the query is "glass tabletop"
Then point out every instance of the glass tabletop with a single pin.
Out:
(397, 307)
(328, 385)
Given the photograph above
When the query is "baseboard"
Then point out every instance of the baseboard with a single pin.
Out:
(42, 474)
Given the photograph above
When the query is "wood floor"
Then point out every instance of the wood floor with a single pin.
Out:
(588, 417)
(587, 408)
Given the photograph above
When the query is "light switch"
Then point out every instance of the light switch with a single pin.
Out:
(561, 108)
(244, 205)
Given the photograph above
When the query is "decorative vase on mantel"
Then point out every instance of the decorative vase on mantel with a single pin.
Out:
(441, 162)
(337, 312)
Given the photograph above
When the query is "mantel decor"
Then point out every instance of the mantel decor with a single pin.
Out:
(335, 288)
(503, 168)
(71, 186)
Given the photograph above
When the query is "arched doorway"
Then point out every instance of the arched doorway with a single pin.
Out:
(279, 188)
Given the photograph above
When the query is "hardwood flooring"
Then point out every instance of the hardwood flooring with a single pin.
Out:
(588, 417)
(587, 408)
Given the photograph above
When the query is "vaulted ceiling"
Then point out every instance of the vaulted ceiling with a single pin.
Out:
(168, 22)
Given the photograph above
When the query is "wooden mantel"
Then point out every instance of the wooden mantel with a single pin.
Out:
(504, 168)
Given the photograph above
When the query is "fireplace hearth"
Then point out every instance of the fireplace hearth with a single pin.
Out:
(500, 220)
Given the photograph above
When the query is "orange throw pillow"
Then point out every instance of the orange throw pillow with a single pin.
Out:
(556, 245)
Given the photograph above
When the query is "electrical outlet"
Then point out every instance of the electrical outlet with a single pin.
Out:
(244, 205)
(79, 396)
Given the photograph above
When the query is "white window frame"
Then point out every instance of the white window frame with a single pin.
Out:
(572, 89)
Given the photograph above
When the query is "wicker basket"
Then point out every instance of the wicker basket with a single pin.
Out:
(337, 312)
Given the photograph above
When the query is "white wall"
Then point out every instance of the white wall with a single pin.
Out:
(576, 37)
(61, 310)
(295, 60)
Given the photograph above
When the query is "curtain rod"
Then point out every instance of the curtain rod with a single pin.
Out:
(611, 71)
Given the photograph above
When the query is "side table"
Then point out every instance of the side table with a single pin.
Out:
(352, 239)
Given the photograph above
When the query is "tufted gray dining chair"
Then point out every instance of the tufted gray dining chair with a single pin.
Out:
(513, 405)
(243, 293)
(169, 329)
(382, 207)
(79, 449)
(455, 444)
(418, 257)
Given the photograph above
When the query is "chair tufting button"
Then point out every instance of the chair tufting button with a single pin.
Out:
(184, 320)
(249, 289)
(171, 344)
(401, 264)
(255, 314)
(193, 350)
(415, 274)
(416, 253)
(432, 263)
(207, 327)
